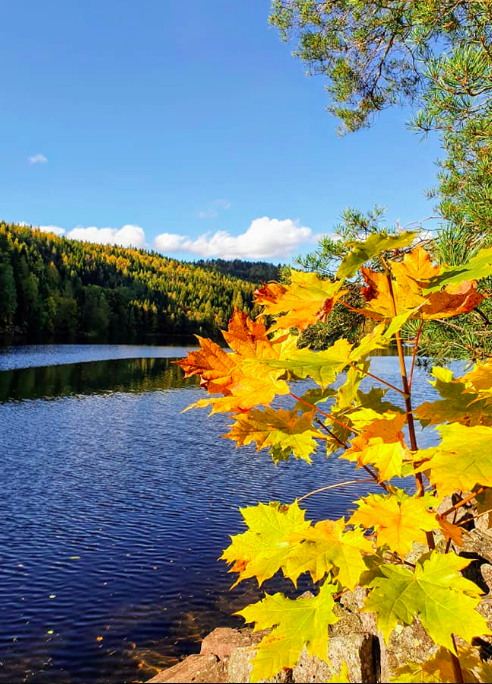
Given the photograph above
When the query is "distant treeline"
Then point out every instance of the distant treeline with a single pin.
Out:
(252, 271)
(52, 288)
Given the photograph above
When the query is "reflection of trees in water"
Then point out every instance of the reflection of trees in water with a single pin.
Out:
(122, 375)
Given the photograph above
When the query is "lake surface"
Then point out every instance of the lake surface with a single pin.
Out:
(115, 507)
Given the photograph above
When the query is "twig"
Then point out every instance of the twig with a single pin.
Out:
(463, 501)
(375, 377)
(334, 486)
(323, 413)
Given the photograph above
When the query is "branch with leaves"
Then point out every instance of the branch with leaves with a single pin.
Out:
(370, 548)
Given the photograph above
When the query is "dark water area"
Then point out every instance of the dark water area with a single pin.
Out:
(115, 507)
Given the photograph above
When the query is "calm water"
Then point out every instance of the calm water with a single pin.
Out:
(115, 507)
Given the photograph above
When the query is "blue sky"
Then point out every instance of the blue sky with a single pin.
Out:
(188, 127)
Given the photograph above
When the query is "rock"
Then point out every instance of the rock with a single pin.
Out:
(357, 650)
(224, 640)
(194, 668)
(411, 643)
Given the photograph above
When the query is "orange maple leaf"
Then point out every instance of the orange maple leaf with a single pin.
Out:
(404, 291)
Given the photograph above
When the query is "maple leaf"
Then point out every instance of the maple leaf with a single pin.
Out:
(294, 624)
(284, 429)
(380, 441)
(383, 295)
(263, 549)
(323, 367)
(450, 531)
(307, 300)
(247, 337)
(373, 246)
(461, 461)
(398, 519)
(440, 668)
(244, 378)
(479, 266)
(462, 401)
(211, 364)
(443, 599)
(327, 547)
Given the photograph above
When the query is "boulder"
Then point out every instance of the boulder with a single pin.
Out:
(224, 640)
(195, 668)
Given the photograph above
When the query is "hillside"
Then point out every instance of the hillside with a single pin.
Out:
(252, 271)
(52, 288)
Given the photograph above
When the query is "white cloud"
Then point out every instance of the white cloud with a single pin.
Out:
(51, 229)
(38, 159)
(127, 236)
(213, 209)
(266, 238)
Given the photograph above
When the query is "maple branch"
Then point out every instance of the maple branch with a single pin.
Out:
(323, 413)
(375, 477)
(408, 398)
(334, 486)
(375, 377)
(473, 517)
(463, 501)
(414, 356)
(332, 434)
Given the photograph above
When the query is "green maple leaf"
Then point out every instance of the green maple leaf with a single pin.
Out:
(443, 599)
(294, 624)
(479, 266)
(263, 549)
(288, 432)
(323, 367)
(374, 245)
(462, 461)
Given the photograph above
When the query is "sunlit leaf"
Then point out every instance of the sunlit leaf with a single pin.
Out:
(294, 624)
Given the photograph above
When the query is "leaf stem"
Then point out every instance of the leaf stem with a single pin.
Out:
(458, 674)
(414, 356)
(332, 434)
(334, 486)
(375, 377)
(375, 477)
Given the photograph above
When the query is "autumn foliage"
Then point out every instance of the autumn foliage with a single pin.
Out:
(376, 430)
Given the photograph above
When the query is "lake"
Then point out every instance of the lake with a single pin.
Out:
(115, 507)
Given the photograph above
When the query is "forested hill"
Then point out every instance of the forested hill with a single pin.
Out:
(252, 271)
(52, 288)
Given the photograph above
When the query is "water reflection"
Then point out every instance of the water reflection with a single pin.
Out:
(124, 375)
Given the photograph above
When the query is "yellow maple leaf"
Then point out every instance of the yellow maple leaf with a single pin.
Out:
(307, 300)
(328, 547)
(462, 461)
(398, 519)
(379, 442)
(263, 549)
(295, 624)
